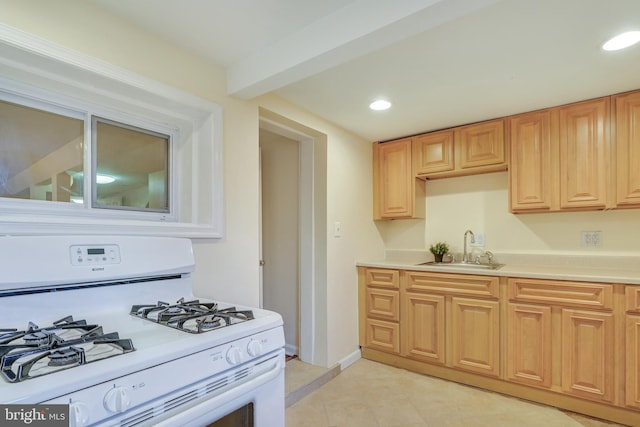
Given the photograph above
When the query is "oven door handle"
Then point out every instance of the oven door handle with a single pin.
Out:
(187, 417)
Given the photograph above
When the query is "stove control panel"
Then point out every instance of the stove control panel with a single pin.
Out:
(88, 255)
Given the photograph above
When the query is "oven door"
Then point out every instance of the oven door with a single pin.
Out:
(255, 402)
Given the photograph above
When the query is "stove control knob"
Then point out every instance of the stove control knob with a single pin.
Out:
(254, 348)
(117, 399)
(234, 355)
(78, 414)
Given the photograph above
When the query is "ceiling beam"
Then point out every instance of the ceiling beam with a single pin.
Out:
(359, 28)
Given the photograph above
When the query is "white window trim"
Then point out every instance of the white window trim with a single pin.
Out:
(27, 61)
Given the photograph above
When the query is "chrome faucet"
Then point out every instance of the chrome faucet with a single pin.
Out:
(465, 254)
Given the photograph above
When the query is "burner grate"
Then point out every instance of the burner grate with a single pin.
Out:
(67, 343)
(191, 316)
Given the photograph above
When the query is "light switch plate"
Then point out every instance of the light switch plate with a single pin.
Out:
(337, 229)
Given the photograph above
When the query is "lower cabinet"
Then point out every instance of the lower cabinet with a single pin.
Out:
(587, 354)
(632, 361)
(380, 301)
(424, 327)
(632, 341)
(451, 320)
(475, 335)
(529, 344)
(583, 351)
(587, 359)
(570, 344)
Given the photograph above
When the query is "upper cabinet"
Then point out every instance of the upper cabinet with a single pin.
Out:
(531, 172)
(401, 166)
(466, 150)
(481, 147)
(574, 157)
(561, 158)
(627, 137)
(433, 153)
(585, 148)
(396, 192)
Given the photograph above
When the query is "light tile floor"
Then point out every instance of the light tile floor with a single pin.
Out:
(298, 374)
(371, 394)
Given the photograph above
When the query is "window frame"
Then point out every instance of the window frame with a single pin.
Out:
(158, 130)
(45, 74)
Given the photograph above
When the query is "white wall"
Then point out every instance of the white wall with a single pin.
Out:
(480, 203)
(227, 269)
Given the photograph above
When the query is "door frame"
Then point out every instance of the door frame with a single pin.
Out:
(308, 240)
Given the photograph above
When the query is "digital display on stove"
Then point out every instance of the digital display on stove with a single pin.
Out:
(95, 251)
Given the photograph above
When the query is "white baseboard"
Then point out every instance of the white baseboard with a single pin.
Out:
(350, 359)
(291, 349)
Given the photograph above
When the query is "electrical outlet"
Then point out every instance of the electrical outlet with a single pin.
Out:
(591, 239)
(478, 240)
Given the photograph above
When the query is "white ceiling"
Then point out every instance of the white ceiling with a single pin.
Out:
(440, 62)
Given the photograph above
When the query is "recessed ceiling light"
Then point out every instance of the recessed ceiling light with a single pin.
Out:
(104, 179)
(622, 40)
(379, 105)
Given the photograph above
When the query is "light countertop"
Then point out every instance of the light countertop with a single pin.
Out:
(624, 269)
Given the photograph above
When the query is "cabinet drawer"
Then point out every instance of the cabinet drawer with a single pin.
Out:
(578, 294)
(383, 335)
(632, 294)
(455, 284)
(383, 304)
(382, 278)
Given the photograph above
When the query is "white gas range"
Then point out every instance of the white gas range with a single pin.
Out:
(110, 327)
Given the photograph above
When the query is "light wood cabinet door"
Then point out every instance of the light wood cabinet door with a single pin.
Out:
(394, 179)
(423, 322)
(529, 344)
(382, 335)
(465, 150)
(561, 158)
(627, 107)
(383, 304)
(584, 154)
(588, 354)
(481, 144)
(632, 362)
(433, 152)
(530, 171)
(397, 193)
(475, 335)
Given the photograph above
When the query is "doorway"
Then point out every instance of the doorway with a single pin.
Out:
(311, 259)
(279, 159)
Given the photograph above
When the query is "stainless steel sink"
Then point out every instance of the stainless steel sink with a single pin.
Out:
(463, 265)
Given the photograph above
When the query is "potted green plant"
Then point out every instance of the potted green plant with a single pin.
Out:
(438, 250)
